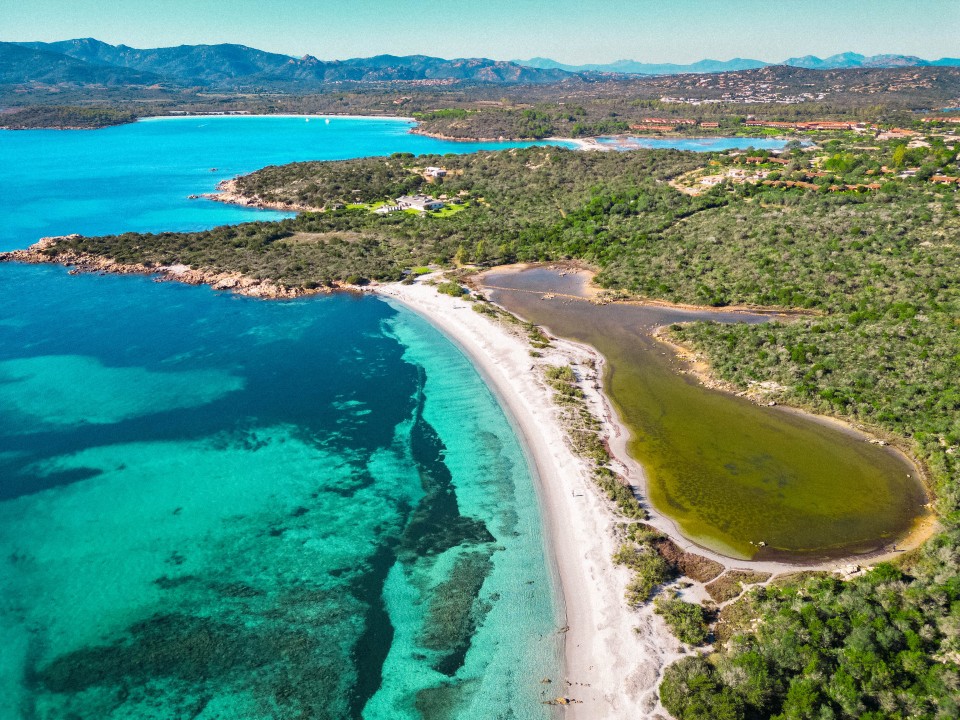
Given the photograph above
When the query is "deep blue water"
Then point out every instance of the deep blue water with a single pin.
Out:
(218, 507)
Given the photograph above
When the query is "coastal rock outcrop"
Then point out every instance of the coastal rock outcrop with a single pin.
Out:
(46, 251)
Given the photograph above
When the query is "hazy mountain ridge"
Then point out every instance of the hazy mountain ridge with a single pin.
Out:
(841, 61)
(235, 66)
(229, 67)
(19, 64)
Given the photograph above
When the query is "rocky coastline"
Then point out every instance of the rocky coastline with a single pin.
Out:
(229, 192)
(45, 252)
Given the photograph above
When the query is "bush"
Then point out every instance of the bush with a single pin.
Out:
(686, 621)
(650, 570)
(452, 289)
(691, 691)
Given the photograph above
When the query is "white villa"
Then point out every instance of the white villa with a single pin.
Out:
(423, 203)
(435, 172)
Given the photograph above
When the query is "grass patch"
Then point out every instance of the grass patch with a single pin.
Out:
(448, 211)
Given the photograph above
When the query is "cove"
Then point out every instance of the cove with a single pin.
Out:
(731, 474)
(253, 509)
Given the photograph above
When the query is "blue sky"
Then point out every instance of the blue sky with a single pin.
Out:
(576, 31)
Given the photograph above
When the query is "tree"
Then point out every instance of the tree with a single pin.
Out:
(691, 691)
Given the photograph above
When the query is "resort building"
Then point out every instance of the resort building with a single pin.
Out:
(423, 203)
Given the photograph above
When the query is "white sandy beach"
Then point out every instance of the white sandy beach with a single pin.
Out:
(614, 655)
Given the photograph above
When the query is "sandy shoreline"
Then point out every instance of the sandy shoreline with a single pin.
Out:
(613, 656)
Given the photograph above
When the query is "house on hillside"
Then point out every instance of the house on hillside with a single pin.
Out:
(435, 172)
(421, 203)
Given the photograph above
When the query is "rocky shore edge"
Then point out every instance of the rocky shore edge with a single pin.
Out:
(44, 252)
(229, 192)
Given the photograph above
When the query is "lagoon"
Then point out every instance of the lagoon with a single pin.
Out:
(702, 144)
(752, 482)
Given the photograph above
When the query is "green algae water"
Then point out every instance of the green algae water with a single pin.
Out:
(218, 507)
(732, 475)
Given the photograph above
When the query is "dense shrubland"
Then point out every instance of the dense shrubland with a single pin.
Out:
(65, 116)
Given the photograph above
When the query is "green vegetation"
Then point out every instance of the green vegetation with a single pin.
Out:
(62, 116)
(687, 621)
(583, 429)
(692, 690)
(619, 492)
(649, 568)
(452, 288)
(879, 646)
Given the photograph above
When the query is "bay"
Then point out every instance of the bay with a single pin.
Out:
(138, 177)
(218, 507)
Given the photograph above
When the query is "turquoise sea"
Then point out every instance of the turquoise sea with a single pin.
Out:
(218, 507)
(138, 177)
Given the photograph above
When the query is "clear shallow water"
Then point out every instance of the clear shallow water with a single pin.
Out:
(693, 144)
(256, 509)
(218, 507)
(138, 177)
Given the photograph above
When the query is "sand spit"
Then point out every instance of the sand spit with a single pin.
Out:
(614, 655)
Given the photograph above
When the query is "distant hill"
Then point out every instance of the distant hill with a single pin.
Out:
(19, 65)
(843, 61)
(633, 67)
(229, 66)
(189, 64)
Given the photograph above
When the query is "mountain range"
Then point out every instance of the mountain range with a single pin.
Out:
(227, 66)
(236, 67)
(843, 61)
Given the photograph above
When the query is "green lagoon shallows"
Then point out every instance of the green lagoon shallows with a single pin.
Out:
(745, 480)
